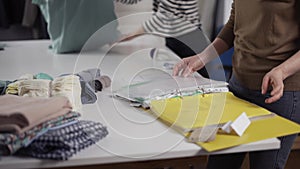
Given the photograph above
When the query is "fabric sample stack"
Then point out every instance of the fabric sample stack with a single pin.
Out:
(63, 143)
(29, 86)
(68, 86)
(22, 118)
(79, 88)
(44, 128)
(38, 115)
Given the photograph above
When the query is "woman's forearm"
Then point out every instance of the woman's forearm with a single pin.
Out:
(215, 49)
(220, 46)
(290, 66)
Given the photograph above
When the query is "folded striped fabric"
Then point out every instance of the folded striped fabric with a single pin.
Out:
(63, 143)
(130, 2)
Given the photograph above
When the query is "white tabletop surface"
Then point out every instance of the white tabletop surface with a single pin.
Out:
(134, 135)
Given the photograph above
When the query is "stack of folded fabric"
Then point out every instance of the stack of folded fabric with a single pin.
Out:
(68, 86)
(34, 88)
(44, 128)
(64, 142)
(12, 87)
(28, 85)
(23, 118)
(44, 122)
(79, 88)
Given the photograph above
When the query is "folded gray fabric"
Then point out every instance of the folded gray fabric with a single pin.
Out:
(63, 143)
(88, 95)
(91, 81)
(89, 74)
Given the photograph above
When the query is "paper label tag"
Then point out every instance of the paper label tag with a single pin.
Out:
(240, 124)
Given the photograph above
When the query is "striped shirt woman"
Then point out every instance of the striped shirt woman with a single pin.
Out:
(179, 22)
(171, 18)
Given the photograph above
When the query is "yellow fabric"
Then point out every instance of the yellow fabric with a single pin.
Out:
(258, 130)
(194, 111)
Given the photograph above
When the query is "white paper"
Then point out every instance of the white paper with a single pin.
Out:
(240, 124)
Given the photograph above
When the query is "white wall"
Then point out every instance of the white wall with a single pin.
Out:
(227, 9)
(207, 12)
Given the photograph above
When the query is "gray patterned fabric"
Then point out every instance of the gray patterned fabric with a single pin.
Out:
(63, 143)
(91, 81)
(88, 95)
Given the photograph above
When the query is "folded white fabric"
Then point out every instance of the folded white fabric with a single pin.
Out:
(12, 88)
(67, 86)
(34, 88)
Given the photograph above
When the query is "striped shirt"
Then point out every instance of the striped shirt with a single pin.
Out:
(172, 18)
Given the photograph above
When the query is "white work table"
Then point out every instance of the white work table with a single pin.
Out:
(134, 134)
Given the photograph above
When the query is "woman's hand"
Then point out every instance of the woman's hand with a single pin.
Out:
(126, 37)
(274, 78)
(191, 64)
(188, 66)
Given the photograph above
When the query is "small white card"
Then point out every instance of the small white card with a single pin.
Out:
(239, 125)
(226, 127)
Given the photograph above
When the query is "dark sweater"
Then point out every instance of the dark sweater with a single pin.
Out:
(264, 33)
